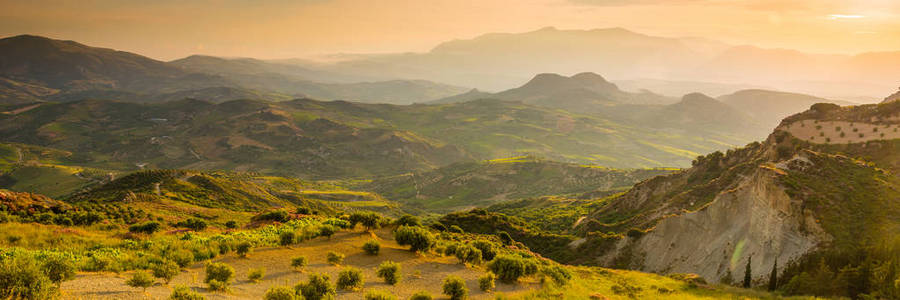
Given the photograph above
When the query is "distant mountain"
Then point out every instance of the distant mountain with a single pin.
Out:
(769, 107)
(893, 97)
(700, 112)
(35, 68)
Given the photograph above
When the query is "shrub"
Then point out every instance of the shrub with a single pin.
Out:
(451, 249)
(287, 238)
(299, 262)
(218, 276)
(182, 257)
(505, 238)
(335, 258)
(418, 238)
(421, 295)
(166, 270)
(255, 275)
(231, 224)
(486, 282)
(379, 295)
(280, 293)
(22, 278)
(487, 249)
(369, 220)
(185, 293)
(508, 267)
(317, 287)
(148, 228)
(455, 287)
(243, 248)
(439, 227)
(390, 272)
(192, 224)
(408, 220)
(58, 269)
(140, 279)
(215, 285)
(456, 229)
(327, 231)
(468, 254)
(350, 279)
(275, 215)
(372, 247)
(560, 275)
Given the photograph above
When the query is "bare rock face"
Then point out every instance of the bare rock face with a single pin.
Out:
(755, 219)
(892, 98)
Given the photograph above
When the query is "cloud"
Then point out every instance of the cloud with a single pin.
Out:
(839, 16)
(634, 2)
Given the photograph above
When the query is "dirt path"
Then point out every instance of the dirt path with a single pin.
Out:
(419, 272)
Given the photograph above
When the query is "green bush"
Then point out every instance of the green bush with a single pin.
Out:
(58, 269)
(140, 279)
(421, 295)
(372, 247)
(486, 282)
(185, 293)
(166, 270)
(456, 229)
(327, 231)
(231, 224)
(451, 249)
(215, 285)
(192, 224)
(439, 227)
(488, 251)
(408, 220)
(508, 267)
(418, 238)
(379, 295)
(390, 272)
(243, 248)
(218, 276)
(281, 293)
(468, 254)
(350, 279)
(275, 215)
(299, 262)
(369, 220)
(455, 287)
(317, 287)
(287, 238)
(505, 238)
(335, 258)
(182, 257)
(559, 274)
(255, 275)
(22, 278)
(148, 227)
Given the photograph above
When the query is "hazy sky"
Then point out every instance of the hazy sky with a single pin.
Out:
(169, 29)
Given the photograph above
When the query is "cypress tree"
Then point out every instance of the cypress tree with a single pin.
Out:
(747, 274)
(773, 278)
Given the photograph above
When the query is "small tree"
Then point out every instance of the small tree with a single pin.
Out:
(455, 287)
(418, 238)
(185, 293)
(299, 262)
(748, 275)
(390, 272)
(372, 247)
(350, 279)
(58, 269)
(280, 293)
(243, 248)
(317, 287)
(408, 220)
(487, 249)
(773, 277)
(486, 282)
(335, 258)
(508, 267)
(166, 270)
(369, 220)
(140, 279)
(468, 254)
(255, 275)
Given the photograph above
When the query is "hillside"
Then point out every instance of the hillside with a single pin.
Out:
(770, 107)
(802, 201)
(34, 68)
(478, 184)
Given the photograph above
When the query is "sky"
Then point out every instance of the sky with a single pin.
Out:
(269, 29)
